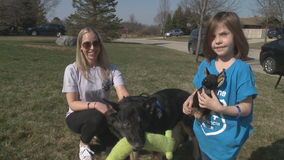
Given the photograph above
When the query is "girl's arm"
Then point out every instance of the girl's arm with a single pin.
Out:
(245, 108)
(187, 105)
(214, 105)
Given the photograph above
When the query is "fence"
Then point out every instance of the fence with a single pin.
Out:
(254, 33)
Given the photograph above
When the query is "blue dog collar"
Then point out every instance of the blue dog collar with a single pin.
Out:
(159, 110)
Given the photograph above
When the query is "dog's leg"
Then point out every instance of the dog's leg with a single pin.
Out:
(177, 133)
(190, 132)
(134, 155)
(195, 154)
(158, 155)
(187, 126)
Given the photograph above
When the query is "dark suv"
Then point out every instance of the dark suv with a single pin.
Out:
(192, 41)
(47, 29)
(275, 32)
(271, 56)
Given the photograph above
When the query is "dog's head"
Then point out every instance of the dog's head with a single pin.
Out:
(129, 118)
(211, 81)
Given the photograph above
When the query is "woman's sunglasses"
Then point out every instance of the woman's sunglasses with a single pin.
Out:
(87, 45)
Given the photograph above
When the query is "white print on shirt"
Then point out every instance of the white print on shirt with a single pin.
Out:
(221, 93)
(216, 124)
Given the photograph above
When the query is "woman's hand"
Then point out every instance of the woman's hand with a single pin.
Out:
(100, 107)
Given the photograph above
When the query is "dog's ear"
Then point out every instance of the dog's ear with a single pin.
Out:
(150, 104)
(206, 72)
(144, 94)
(221, 78)
(112, 107)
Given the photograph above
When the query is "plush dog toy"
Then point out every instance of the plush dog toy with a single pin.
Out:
(154, 142)
(210, 82)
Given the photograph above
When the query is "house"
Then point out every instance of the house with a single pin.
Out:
(255, 27)
(259, 22)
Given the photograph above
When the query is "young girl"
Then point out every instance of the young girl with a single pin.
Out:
(86, 82)
(222, 134)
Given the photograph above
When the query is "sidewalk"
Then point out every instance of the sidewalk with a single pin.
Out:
(253, 56)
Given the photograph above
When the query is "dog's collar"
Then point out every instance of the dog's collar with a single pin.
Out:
(159, 109)
(159, 105)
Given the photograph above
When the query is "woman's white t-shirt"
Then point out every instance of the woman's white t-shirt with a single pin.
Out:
(94, 89)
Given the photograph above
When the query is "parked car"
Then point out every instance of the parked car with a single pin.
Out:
(271, 56)
(6, 29)
(47, 29)
(192, 41)
(174, 32)
(275, 32)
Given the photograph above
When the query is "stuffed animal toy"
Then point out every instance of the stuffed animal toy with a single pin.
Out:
(154, 142)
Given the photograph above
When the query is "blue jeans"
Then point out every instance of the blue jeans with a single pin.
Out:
(204, 156)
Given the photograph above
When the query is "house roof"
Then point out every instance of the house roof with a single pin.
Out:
(257, 20)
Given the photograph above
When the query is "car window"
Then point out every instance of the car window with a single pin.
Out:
(53, 26)
(193, 33)
(42, 26)
(281, 42)
(203, 31)
(196, 31)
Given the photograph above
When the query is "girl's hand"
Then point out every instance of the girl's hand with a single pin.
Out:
(100, 107)
(210, 103)
(187, 106)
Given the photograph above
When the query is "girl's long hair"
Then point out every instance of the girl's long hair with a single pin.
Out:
(232, 22)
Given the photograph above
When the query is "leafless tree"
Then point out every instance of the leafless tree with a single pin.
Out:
(163, 12)
(208, 7)
(263, 8)
(280, 10)
(50, 7)
(132, 22)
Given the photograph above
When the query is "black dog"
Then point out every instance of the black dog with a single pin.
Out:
(135, 115)
(210, 82)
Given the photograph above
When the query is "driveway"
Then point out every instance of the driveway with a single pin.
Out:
(253, 57)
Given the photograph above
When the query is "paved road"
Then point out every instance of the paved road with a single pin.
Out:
(253, 57)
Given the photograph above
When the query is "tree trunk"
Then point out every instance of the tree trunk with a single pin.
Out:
(200, 30)
(267, 17)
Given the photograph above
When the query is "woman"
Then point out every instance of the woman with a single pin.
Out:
(86, 82)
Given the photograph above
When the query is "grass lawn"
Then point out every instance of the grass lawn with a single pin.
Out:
(32, 117)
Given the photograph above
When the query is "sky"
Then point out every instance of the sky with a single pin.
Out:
(144, 10)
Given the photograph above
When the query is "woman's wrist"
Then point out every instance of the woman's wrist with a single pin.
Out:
(94, 105)
(91, 105)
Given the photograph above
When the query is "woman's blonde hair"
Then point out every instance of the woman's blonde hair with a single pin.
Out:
(103, 59)
(232, 22)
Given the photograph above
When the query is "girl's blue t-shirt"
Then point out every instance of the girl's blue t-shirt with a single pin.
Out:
(221, 136)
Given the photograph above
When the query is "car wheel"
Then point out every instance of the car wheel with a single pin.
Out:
(190, 49)
(171, 35)
(269, 65)
(269, 37)
(34, 33)
(58, 34)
